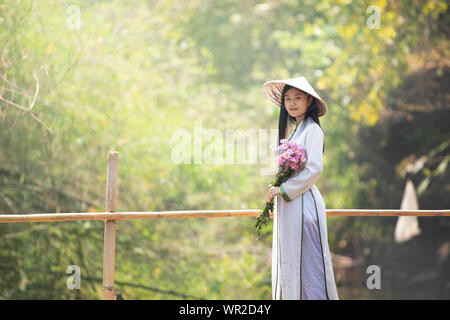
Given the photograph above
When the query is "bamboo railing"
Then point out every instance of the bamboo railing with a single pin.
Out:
(110, 217)
(114, 216)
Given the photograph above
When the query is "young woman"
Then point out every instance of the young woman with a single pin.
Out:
(301, 260)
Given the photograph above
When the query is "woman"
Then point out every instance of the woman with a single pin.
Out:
(301, 260)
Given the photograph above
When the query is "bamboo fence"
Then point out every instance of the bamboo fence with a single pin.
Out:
(110, 216)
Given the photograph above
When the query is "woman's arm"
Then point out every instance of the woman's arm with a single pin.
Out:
(305, 179)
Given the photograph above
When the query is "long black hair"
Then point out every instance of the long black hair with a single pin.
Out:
(311, 112)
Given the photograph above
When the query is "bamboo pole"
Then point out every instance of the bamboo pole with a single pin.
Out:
(183, 214)
(109, 241)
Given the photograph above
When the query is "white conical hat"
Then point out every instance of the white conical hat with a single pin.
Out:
(273, 90)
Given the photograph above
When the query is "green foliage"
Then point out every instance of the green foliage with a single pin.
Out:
(132, 74)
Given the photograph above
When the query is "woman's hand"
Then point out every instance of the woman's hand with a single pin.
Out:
(273, 192)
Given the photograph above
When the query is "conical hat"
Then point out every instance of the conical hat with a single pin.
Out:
(273, 90)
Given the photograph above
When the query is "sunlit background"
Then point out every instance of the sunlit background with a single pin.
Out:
(80, 78)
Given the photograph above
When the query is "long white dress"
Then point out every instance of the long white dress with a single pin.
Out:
(301, 260)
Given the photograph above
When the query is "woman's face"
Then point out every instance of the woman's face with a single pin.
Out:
(296, 102)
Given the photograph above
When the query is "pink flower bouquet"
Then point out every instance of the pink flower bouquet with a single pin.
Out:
(291, 158)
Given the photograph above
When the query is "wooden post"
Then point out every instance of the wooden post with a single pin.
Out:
(109, 242)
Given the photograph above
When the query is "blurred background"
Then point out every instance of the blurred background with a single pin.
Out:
(80, 78)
